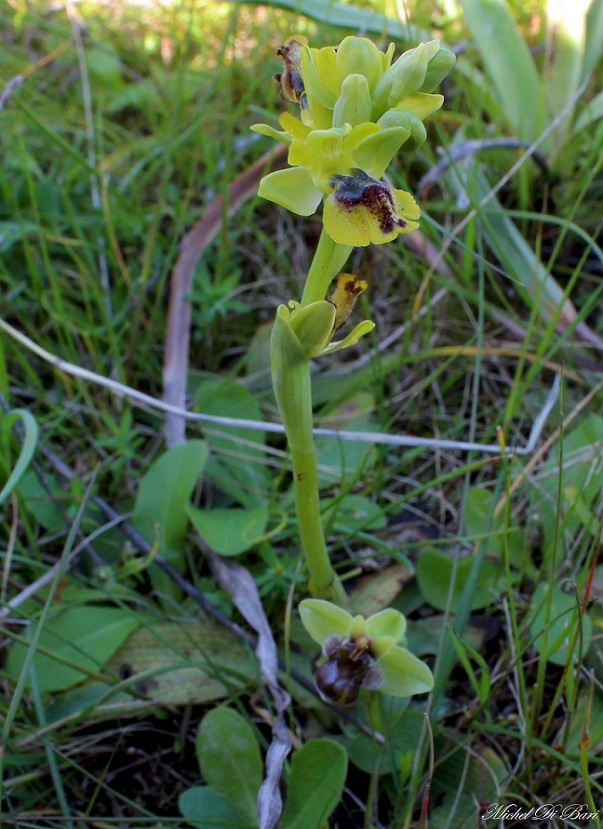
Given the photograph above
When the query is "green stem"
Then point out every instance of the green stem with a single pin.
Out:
(329, 259)
(323, 581)
(293, 392)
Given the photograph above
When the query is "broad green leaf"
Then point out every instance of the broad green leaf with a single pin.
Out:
(509, 65)
(318, 773)
(84, 637)
(434, 574)
(495, 533)
(30, 439)
(560, 622)
(164, 493)
(353, 513)
(43, 503)
(594, 37)
(230, 761)
(240, 451)
(173, 663)
(204, 808)
(187, 662)
(232, 530)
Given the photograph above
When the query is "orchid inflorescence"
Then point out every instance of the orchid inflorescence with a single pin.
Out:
(357, 109)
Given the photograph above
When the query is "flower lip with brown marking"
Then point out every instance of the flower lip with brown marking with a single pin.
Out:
(360, 189)
(360, 209)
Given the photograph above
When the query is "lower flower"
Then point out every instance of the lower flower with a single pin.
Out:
(362, 653)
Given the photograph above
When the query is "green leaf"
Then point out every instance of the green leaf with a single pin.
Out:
(164, 493)
(86, 637)
(343, 460)
(594, 37)
(318, 773)
(558, 617)
(590, 113)
(403, 735)
(230, 531)
(435, 572)
(495, 533)
(509, 65)
(174, 663)
(241, 452)
(578, 482)
(353, 513)
(230, 761)
(204, 808)
(348, 16)
(43, 503)
(30, 440)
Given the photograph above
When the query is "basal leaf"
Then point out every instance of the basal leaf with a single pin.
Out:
(559, 617)
(435, 572)
(230, 761)
(231, 530)
(85, 637)
(204, 808)
(164, 493)
(240, 451)
(318, 773)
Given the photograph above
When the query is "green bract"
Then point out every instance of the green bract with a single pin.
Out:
(362, 652)
(357, 109)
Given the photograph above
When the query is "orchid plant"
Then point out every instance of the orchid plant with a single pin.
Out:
(357, 109)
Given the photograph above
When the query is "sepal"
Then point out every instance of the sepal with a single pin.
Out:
(293, 189)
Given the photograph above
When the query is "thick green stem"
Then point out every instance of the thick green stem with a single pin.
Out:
(329, 259)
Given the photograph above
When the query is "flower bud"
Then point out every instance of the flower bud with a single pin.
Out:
(402, 118)
(359, 55)
(439, 66)
(354, 103)
(406, 75)
(313, 325)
